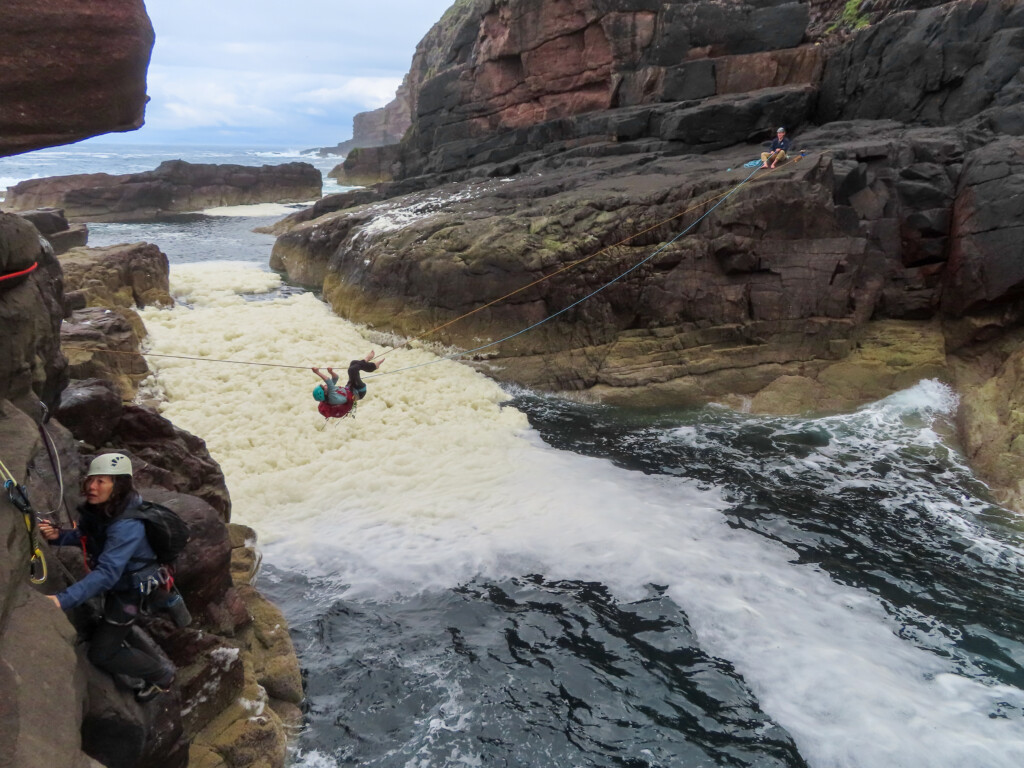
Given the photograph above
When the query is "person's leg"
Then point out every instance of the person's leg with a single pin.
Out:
(764, 159)
(355, 383)
(780, 155)
(107, 650)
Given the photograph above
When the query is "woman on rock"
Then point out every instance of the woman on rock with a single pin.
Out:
(336, 401)
(121, 558)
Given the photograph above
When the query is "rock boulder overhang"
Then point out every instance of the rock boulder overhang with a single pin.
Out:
(71, 69)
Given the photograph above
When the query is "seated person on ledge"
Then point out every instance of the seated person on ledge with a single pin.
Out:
(778, 150)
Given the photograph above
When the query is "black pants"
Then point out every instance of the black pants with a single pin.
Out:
(108, 651)
(354, 382)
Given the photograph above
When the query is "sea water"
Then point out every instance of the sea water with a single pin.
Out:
(478, 575)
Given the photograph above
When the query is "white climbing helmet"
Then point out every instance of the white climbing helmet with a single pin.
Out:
(110, 464)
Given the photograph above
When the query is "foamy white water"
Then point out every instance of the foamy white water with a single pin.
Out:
(435, 483)
(257, 210)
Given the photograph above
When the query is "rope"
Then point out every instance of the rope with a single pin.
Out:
(37, 570)
(51, 451)
(12, 275)
(724, 197)
(188, 357)
(567, 267)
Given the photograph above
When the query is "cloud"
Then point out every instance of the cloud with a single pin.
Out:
(245, 69)
(372, 92)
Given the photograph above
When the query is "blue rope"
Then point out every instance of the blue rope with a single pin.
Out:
(580, 301)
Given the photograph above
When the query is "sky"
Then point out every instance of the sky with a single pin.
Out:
(276, 74)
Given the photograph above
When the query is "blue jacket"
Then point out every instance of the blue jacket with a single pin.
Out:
(336, 395)
(115, 550)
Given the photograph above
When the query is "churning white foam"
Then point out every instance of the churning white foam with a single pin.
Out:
(434, 483)
(6, 182)
(256, 209)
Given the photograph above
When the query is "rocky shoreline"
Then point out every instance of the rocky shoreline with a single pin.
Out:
(175, 187)
(238, 689)
(556, 146)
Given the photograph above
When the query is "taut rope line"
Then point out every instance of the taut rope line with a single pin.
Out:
(720, 198)
(576, 263)
(579, 301)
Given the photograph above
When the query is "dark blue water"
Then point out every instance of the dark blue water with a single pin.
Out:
(532, 671)
(849, 597)
(526, 672)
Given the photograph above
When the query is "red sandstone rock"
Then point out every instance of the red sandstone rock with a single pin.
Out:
(70, 69)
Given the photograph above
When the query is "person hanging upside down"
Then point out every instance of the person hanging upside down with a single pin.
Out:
(334, 401)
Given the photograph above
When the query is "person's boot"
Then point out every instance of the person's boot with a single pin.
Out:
(150, 691)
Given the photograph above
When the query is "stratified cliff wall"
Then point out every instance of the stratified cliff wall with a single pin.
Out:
(72, 70)
(548, 131)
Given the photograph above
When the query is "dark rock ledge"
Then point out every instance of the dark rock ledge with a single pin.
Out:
(546, 132)
(175, 187)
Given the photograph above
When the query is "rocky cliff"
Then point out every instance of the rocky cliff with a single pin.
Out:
(71, 69)
(236, 650)
(549, 133)
(174, 187)
(378, 127)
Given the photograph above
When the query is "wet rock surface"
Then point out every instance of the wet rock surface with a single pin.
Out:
(130, 275)
(104, 343)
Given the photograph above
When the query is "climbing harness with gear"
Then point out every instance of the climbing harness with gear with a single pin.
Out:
(19, 498)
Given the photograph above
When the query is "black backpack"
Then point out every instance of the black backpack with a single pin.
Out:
(166, 531)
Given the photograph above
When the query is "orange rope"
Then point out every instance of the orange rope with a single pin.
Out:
(585, 259)
(460, 317)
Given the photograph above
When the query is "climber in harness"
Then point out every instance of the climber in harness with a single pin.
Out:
(336, 402)
(112, 530)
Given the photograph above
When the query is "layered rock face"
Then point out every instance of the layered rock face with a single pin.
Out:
(238, 678)
(365, 166)
(498, 70)
(379, 127)
(174, 187)
(777, 280)
(56, 90)
(547, 133)
(497, 78)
